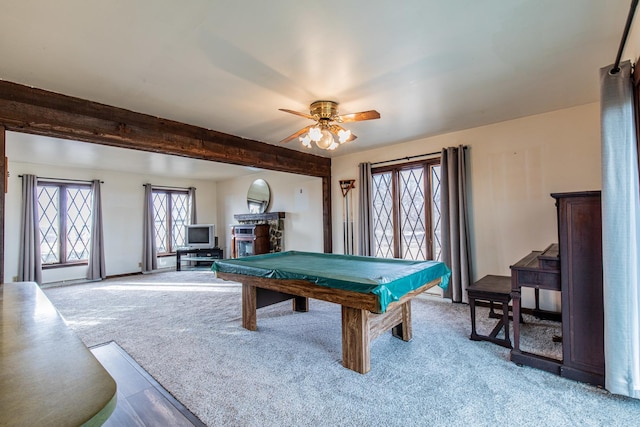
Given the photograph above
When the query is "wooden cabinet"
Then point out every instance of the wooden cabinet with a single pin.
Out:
(249, 239)
(580, 242)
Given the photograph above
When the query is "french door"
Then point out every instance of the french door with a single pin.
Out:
(406, 210)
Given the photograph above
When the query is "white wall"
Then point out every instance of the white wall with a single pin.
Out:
(514, 165)
(299, 197)
(122, 200)
(513, 168)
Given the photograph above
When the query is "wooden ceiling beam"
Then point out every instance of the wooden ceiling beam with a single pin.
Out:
(36, 111)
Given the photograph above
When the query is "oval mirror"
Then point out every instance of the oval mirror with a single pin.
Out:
(258, 196)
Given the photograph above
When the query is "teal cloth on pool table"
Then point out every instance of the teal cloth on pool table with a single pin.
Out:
(388, 278)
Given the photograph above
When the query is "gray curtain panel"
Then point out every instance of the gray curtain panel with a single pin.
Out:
(30, 261)
(149, 251)
(620, 232)
(96, 269)
(365, 225)
(456, 249)
(193, 218)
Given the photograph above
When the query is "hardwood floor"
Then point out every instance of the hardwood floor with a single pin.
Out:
(142, 401)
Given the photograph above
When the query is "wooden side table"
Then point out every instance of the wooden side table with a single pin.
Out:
(492, 289)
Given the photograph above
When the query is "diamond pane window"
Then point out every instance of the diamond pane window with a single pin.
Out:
(435, 212)
(161, 220)
(179, 208)
(382, 215)
(49, 221)
(412, 215)
(170, 213)
(406, 210)
(64, 222)
(78, 223)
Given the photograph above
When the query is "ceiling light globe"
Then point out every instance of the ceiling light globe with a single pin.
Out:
(326, 140)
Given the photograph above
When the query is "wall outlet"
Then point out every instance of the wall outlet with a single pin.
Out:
(140, 264)
(15, 279)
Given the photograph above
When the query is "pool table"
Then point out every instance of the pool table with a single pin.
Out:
(375, 293)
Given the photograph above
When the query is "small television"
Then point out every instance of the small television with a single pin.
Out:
(200, 236)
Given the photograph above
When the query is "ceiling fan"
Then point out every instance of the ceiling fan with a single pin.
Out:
(326, 128)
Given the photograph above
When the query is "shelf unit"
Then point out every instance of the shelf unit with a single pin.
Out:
(197, 257)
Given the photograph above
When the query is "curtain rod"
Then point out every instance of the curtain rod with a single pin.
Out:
(166, 187)
(625, 34)
(406, 158)
(409, 157)
(63, 179)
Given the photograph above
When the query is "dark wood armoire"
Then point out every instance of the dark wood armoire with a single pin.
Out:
(580, 243)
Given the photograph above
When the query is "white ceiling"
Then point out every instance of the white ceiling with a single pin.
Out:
(26, 148)
(428, 66)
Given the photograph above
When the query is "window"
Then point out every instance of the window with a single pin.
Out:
(65, 222)
(170, 209)
(406, 210)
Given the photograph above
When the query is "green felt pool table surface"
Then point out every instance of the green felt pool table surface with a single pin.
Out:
(387, 278)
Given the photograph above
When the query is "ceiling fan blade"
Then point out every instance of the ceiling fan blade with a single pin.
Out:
(351, 138)
(357, 117)
(305, 115)
(297, 134)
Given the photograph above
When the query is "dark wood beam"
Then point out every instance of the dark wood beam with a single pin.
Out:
(3, 190)
(326, 214)
(40, 112)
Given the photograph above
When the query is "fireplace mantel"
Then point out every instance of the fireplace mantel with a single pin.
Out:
(267, 216)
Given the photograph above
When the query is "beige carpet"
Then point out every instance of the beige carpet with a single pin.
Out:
(184, 329)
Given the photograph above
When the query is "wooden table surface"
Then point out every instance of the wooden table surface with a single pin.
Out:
(47, 375)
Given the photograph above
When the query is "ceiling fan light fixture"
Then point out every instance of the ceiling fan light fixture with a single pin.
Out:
(315, 134)
(306, 141)
(343, 135)
(326, 128)
(326, 139)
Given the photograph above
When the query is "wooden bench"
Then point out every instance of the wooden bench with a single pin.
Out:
(492, 289)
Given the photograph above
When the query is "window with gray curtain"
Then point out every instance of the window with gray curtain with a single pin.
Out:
(620, 232)
(406, 210)
(65, 218)
(365, 220)
(193, 217)
(456, 246)
(97, 266)
(171, 212)
(149, 252)
(29, 264)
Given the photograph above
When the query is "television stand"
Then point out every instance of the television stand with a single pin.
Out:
(197, 257)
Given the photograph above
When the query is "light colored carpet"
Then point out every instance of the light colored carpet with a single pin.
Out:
(184, 329)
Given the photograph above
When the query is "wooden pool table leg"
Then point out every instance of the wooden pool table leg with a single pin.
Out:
(356, 352)
(254, 298)
(360, 327)
(301, 304)
(403, 330)
(249, 307)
